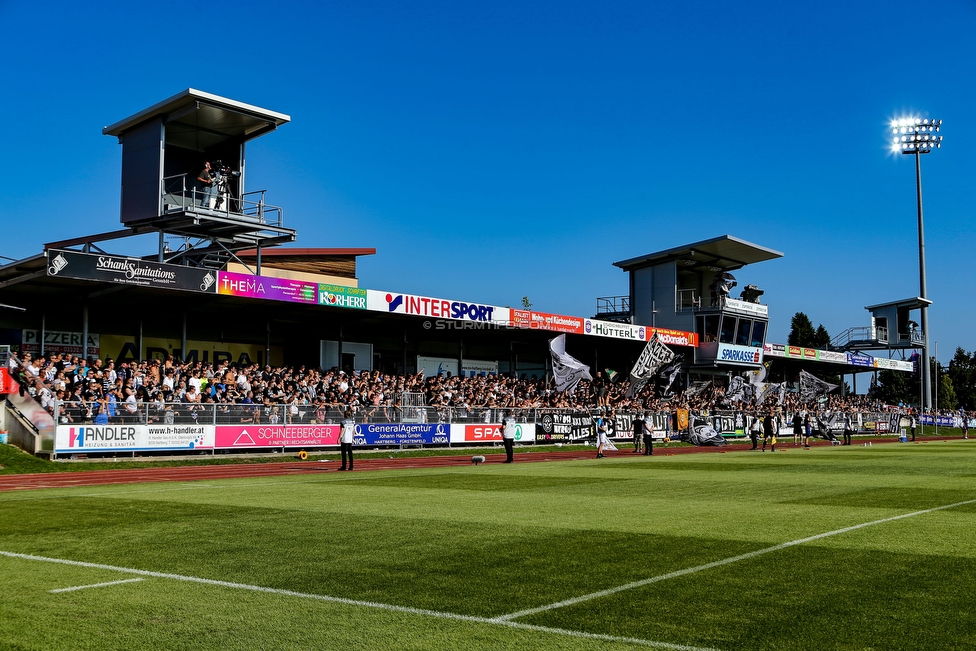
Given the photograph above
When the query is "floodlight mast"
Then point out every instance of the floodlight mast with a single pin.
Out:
(918, 136)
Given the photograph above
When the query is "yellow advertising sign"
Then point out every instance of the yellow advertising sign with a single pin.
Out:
(122, 348)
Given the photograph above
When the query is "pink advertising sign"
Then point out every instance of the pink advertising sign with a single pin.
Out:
(262, 436)
(273, 289)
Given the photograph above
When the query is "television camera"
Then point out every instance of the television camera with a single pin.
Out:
(221, 175)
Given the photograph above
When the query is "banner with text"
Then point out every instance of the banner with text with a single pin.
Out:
(272, 289)
(129, 271)
(70, 439)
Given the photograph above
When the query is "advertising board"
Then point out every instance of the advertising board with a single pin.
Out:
(732, 354)
(341, 296)
(276, 436)
(56, 341)
(124, 348)
(746, 307)
(433, 366)
(435, 308)
(402, 434)
(490, 433)
(70, 439)
(860, 359)
(775, 350)
(546, 321)
(674, 337)
(273, 289)
(129, 271)
(833, 357)
(614, 330)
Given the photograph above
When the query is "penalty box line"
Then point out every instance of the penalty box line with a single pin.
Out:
(494, 621)
(726, 561)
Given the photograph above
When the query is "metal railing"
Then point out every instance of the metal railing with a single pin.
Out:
(686, 299)
(613, 305)
(250, 206)
(727, 422)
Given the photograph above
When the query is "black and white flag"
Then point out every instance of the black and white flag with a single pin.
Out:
(567, 371)
(654, 357)
(811, 387)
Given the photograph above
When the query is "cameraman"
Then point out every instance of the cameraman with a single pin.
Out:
(209, 192)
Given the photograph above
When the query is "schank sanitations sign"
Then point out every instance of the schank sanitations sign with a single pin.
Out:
(129, 271)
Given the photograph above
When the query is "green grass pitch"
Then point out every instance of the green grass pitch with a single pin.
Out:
(833, 548)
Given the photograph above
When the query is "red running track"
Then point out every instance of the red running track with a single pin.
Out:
(364, 462)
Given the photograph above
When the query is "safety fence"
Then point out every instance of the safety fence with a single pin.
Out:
(93, 428)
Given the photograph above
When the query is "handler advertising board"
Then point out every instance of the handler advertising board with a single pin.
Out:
(276, 436)
(71, 439)
(129, 271)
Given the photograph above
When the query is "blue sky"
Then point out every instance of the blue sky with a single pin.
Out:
(494, 150)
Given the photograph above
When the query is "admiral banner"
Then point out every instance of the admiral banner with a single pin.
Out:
(129, 271)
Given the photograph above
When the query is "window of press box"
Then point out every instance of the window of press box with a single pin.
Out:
(727, 333)
(758, 334)
(707, 327)
(742, 334)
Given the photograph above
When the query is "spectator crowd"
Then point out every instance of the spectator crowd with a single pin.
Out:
(100, 391)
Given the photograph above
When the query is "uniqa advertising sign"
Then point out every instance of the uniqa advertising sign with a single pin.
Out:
(402, 434)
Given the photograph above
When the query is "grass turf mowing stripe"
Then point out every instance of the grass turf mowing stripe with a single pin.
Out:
(94, 585)
(725, 561)
(354, 602)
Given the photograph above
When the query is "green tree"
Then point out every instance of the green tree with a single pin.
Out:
(525, 302)
(962, 372)
(821, 337)
(801, 331)
(947, 394)
(896, 387)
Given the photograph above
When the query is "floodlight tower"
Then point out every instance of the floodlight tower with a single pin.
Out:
(919, 136)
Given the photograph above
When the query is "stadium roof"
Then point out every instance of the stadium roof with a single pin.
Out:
(724, 253)
(194, 114)
(913, 303)
(333, 262)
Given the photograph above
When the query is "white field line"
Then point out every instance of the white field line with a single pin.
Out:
(94, 585)
(366, 604)
(725, 561)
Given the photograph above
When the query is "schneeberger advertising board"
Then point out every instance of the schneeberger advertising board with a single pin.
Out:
(129, 271)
